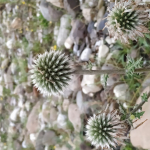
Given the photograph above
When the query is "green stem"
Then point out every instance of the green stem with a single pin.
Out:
(117, 71)
(138, 107)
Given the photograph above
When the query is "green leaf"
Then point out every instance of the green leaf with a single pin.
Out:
(145, 97)
(138, 114)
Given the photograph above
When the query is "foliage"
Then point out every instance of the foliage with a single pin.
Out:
(131, 65)
(43, 22)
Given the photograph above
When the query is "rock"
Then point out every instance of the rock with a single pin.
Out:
(13, 68)
(78, 31)
(88, 14)
(86, 54)
(110, 40)
(92, 3)
(16, 23)
(61, 121)
(146, 82)
(10, 43)
(75, 83)
(101, 24)
(69, 42)
(19, 90)
(90, 83)
(100, 4)
(49, 138)
(63, 30)
(8, 81)
(90, 27)
(73, 7)
(140, 136)
(45, 114)
(5, 64)
(81, 103)
(32, 122)
(61, 148)
(121, 92)
(23, 116)
(26, 142)
(15, 114)
(112, 55)
(48, 12)
(133, 54)
(27, 105)
(12, 131)
(102, 53)
(74, 116)
(58, 3)
(65, 104)
(39, 144)
(33, 137)
(75, 48)
(111, 80)
(30, 37)
(53, 115)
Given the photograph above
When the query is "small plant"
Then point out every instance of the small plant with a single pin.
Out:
(51, 72)
(105, 130)
(125, 21)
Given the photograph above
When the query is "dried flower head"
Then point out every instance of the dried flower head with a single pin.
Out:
(105, 130)
(126, 21)
(51, 72)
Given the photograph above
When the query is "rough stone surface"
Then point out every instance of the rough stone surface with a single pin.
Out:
(63, 30)
(32, 122)
(48, 12)
(121, 92)
(58, 3)
(49, 138)
(140, 136)
(74, 116)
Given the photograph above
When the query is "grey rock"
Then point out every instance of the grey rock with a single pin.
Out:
(86, 54)
(48, 12)
(39, 144)
(72, 6)
(78, 31)
(74, 116)
(90, 27)
(49, 138)
(101, 24)
(65, 24)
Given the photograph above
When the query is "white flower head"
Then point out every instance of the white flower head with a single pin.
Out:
(51, 72)
(127, 21)
(105, 130)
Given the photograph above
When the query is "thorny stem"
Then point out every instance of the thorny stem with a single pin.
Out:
(138, 107)
(117, 71)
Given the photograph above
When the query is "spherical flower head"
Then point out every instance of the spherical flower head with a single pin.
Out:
(105, 130)
(51, 72)
(126, 21)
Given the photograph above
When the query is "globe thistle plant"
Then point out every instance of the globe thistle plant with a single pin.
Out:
(105, 130)
(51, 72)
(127, 21)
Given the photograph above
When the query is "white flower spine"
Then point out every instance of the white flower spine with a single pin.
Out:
(126, 21)
(105, 130)
(51, 72)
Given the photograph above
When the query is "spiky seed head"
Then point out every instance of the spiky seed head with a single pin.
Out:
(51, 72)
(105, 130)
(125, 21)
